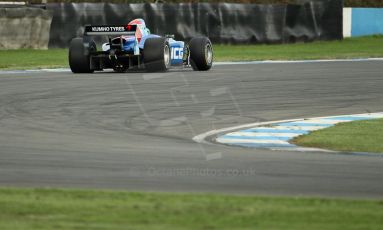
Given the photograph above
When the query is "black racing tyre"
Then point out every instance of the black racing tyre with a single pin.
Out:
(79, 60)
(156, 54)
(201, 53)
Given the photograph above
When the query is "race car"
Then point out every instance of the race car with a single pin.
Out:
(133, 47)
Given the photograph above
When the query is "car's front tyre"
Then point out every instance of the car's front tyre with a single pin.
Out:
(201, 53)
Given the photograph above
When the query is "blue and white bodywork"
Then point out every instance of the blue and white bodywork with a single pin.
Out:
(176, 52)
(132, 47)
(135, 43)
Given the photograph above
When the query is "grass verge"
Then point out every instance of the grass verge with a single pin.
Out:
(356, 136)
(89, 209)
(362, 47)
(29, 58)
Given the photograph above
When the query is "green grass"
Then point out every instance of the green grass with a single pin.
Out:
(30, 58)
(362, 47)
(356, 136)
(87, 209)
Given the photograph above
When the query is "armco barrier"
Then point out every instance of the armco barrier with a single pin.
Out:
(222, 22)
(24, 27)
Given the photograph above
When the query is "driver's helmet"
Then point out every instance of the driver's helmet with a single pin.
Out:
(141, 28)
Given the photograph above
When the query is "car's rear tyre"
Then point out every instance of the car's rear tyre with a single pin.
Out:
(156, 54)
(201, 53)
(79, 55)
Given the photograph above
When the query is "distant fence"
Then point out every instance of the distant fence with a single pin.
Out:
(24, 27)
(362, 21)
(55, 24)
(222, 22)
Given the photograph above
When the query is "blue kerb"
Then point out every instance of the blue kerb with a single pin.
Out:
(271, 130)
(303, 124)
(255, 138)
(346, 118)
(255, 145)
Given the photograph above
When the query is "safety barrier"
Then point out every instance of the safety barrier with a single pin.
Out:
(222, 22)
(55, 26)
(24, 27)
(362, 21)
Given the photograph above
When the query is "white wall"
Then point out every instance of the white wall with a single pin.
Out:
(347, 16)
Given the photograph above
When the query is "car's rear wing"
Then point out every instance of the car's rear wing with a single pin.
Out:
(110, 30)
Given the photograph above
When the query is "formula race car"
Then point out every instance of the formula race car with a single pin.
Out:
(134, 47)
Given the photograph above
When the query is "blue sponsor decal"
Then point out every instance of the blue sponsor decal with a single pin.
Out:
(176, 54)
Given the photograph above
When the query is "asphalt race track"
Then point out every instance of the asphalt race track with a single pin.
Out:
(134, 130)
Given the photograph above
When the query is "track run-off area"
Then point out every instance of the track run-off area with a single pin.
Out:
(135, 131)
